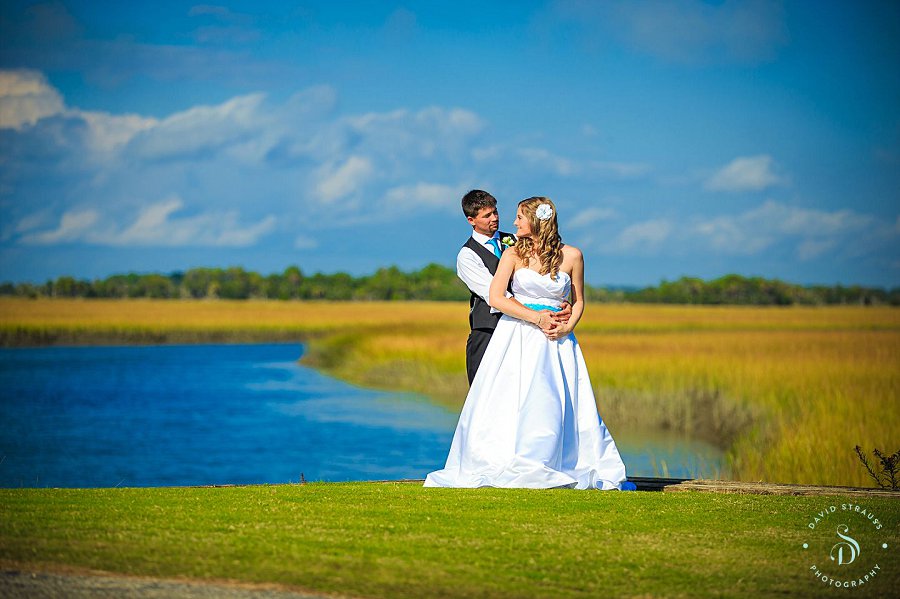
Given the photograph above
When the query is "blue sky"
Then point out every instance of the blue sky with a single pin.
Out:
(677, 138)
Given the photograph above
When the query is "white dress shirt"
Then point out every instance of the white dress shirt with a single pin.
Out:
(473, 272)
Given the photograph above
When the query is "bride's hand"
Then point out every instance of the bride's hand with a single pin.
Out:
(546, 321)
(559, 331)
(551, 332)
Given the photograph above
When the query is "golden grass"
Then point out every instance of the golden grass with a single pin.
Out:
(788, 391)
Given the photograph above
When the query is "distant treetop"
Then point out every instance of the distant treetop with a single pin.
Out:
(432, 283)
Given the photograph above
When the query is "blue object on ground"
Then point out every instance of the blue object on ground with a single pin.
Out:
(629, 486)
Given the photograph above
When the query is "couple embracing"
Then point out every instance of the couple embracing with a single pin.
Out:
(530, 419)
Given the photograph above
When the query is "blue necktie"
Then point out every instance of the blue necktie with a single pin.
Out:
(496, 246)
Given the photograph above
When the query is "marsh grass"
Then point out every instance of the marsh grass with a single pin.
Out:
(788, 392)
(401, 540)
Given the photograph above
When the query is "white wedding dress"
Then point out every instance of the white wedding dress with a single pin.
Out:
(530, 419)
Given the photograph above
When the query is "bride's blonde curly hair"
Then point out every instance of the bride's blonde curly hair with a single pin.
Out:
(544, 241)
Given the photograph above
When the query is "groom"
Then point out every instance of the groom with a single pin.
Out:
(476, 265)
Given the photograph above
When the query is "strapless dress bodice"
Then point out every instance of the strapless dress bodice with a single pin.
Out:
(531, 287)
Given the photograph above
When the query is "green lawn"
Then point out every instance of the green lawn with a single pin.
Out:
(400, 540)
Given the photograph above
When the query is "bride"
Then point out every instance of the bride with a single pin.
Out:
(530, 419)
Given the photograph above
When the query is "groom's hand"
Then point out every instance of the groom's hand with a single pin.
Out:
(565, 311)
(558, 322)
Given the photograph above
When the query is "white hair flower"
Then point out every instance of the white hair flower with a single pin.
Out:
(544, 212)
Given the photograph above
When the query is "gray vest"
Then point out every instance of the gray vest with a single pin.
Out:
(480, 316)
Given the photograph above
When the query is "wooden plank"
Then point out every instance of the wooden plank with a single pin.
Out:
(762, 488)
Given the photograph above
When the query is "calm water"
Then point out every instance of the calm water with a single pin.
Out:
(215, 414)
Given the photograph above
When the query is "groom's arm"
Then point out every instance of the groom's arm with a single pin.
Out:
(472, 271)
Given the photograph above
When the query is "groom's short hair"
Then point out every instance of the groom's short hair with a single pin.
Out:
(475, 200)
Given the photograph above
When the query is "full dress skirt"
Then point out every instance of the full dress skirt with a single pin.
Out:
(530, 419)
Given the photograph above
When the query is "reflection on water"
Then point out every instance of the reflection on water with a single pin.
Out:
(320, 399)
(666, 454)
(216, 414)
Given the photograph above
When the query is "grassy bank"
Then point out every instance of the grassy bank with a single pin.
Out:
(400, 540)
(787, 391)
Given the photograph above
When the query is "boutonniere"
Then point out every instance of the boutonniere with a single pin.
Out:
(508, 241)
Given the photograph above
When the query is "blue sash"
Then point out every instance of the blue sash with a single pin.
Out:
(539, 307)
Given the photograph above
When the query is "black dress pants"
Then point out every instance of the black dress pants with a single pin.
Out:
(475, 346)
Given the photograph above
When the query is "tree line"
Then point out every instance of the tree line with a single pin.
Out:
(432, 283)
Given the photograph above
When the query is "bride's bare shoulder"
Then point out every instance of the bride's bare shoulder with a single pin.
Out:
(511, 257)
(570, 252)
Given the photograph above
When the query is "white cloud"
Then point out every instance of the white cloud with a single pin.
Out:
(155, 227)
(72, 226)
(110, 132)
(431, 195)
(285, 156)
(568, 167)
(454, 121)
(485, 153)
(338, 181)
(150, 224)
(33, 221)
(25, 98)
(804, 221)
(812, 231)
(641, 237)
(448, 121)
(541, 158)
(232, 233)
(590, 216)
(771, 228)
(728, 234)
(402, 135)
(302, 242)
(812, 248)
(201, 131)
(307, 104)
(746, 173)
